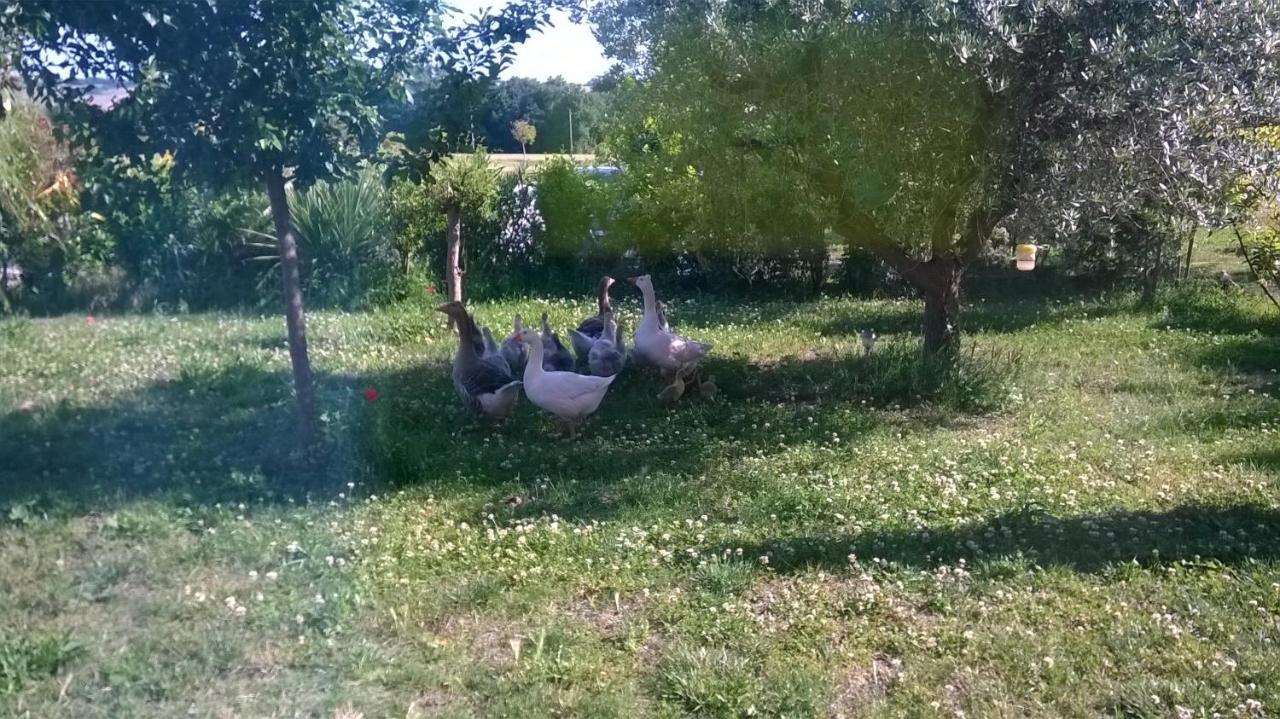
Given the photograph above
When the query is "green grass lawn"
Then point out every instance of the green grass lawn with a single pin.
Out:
(1095, 531)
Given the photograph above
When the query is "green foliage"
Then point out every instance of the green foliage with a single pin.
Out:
(467, 183)
(570, 205)
(503, 246)
(524, 133)
(178, 244)
(450, 113)
(1262, 248)
(234, 90)
(415, 220)
(41, 226)
(889, 140)
(26, 658)
(34, 173)
(343, 239)
(1122, 253)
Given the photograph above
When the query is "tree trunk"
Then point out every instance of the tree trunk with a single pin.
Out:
(453, 270)
(1151, 281)
(817, 266)
(295, 318)
(4, 273)
(942, 310)
(938, 279)
(1191, 245)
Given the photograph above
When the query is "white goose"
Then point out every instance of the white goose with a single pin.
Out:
(569, 396)
(657, 345)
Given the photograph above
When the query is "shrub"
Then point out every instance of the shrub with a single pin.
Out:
(503, 240)
(180, 245)
(39, 212)
(97, 286)
(1261, 249)
(416, 221)
(569, 204)
(343, 239)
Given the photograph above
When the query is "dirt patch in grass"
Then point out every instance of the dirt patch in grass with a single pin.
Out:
(264, 660)
(434, 703)
(865, 685)
(606, 616)
(778, 604)
(489, 641)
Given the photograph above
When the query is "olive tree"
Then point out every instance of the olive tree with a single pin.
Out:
(917, 127)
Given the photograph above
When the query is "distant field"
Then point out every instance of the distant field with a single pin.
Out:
(515, 161)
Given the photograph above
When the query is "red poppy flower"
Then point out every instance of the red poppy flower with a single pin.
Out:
(431, 290)
(91, 320)
(370, 394)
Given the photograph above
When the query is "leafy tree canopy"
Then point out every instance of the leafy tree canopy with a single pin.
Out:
(915, 128)
(235, 87)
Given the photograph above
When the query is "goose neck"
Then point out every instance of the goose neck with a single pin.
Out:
(533, 366)
(650, 302)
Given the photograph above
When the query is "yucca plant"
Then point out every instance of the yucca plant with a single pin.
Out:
(343, 239)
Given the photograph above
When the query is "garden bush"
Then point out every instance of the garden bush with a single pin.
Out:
(343, 240)
(40, 218)
(178, 244)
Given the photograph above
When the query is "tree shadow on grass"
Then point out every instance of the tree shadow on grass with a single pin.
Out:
(224, 434)
(1233, 534)
(639, 454)
(1252, 354)
(210, 435)
(635, 455)
(1001, 315)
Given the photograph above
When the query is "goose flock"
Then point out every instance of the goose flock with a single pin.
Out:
(489, 375)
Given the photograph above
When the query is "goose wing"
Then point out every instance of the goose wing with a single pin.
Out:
(592, 327)
(580, 386)
(483, 378)
(684, 349)
(582, 343)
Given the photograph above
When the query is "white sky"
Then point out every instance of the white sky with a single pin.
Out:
(563, 48)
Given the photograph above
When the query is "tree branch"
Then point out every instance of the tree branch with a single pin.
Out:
(1249, 261)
